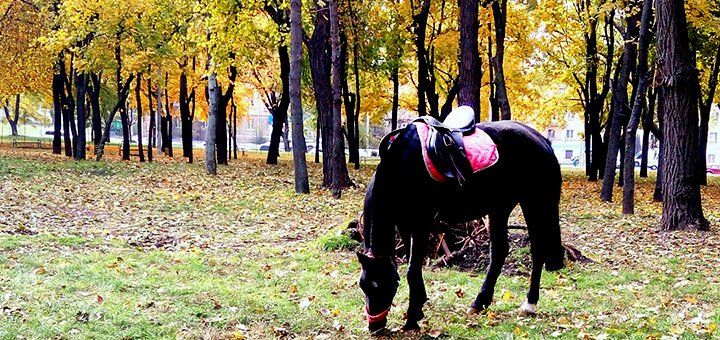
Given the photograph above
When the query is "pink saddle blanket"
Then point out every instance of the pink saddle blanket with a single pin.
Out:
(480, 149)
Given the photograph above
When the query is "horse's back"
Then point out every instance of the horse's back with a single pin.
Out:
(525, 155)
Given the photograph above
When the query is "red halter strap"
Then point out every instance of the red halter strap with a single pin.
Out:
(376, 318)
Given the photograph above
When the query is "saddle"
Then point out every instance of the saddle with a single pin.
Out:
(444, 144)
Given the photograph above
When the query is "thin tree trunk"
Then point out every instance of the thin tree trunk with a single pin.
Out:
(420, 29)
(682, 205)
(299, 164)
(108, 123)
(234, 132)
(648, 115)
(151, 123)
(286, 134)
(494, 108)
(213, 103)
(499, 9)
(57, 87)
(658, 193)
(620, 102)
(13, 121)
(470, 75)
(639, 104)
(95, 104)
(81, 88)
(705, 108)
(320, 66)
(338, 152)
(318, 147)
(159, 114)
(396, 97)
(279, 113)
(168, 120)
(138, 105)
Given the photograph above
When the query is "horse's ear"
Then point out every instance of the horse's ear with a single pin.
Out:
(387, 141)
(364, 260)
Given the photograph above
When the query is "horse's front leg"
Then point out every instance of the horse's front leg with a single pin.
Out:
(418, 296)
(499, 249)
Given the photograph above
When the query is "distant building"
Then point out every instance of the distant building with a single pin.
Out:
(256, 124)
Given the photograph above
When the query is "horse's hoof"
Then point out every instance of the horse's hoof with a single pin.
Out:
(473, 311)
(411, 326)
(528, 309)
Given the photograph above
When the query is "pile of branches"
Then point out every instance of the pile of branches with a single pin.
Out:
(466, 246)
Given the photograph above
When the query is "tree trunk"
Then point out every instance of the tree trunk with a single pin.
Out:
(57, 88)
(320, 65)
(318, 146)
(95, 104)
(66, 108)
(499, 9)
(396, 97)
(638, 105)
(279, 114)
(352, 106)
(620, 100)
(470, 75)
(705, 108)
(286, 133)
(338, 165)
(594, 100)
(682, 207)
(13, 121)
(138, 106)
(185, 116)
(81, 88)
(234, 133)
(213, 103)
(420, 29)
(151, 123)
(106, 131)
(494, 108)
(299, 164)
(648, 114)
(167, 126)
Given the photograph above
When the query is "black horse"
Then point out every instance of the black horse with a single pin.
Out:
(402, 195)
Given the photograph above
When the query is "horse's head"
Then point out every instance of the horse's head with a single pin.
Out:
(379, 281)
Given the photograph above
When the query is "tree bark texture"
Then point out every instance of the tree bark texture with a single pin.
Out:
(81, 81)
(94, 92)
(13, 120)
(682, 206)
(280, 112)
(138, 105)
(151, 124)
(638, 105)
(213, 103)
(499, 9)
(470, 75)
(299, 164)
(705, 108)
(620, 107)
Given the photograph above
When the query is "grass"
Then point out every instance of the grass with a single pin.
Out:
(112, 249)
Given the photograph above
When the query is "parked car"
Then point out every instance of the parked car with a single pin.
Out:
(713, 169)
(264, 146)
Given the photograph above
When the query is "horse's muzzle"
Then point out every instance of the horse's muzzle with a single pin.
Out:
(376, 322)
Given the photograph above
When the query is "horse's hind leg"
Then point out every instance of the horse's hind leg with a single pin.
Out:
(499, 249)
(542, 220)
